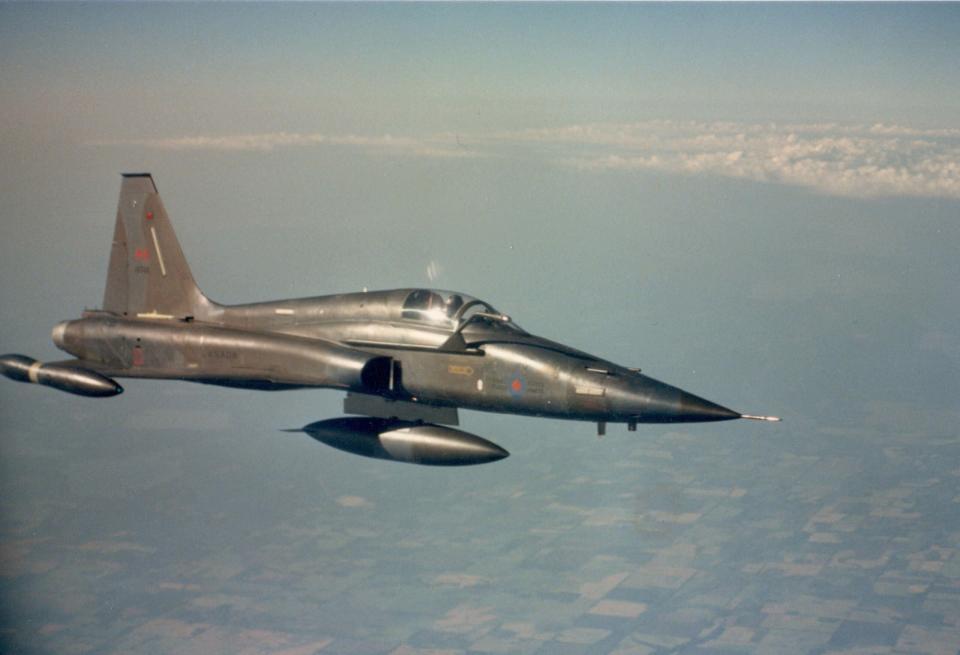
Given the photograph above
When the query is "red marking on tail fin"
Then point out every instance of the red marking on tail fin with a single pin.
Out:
(141, 254)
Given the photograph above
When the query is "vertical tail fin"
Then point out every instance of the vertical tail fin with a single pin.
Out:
(148, 273)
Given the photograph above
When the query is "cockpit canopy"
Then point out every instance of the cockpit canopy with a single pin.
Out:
(450, 309)
(436, 307)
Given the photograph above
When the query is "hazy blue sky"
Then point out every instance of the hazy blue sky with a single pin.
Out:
(757, 202)
(129, 71)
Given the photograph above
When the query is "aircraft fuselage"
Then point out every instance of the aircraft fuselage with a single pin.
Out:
(271, 345)
(407, 358)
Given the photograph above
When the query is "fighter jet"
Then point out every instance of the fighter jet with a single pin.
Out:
(407, 359)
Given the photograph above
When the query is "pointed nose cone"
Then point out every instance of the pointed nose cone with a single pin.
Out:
(694, 408)
(650, 401)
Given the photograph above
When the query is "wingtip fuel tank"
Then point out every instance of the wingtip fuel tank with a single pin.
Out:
(75, 380)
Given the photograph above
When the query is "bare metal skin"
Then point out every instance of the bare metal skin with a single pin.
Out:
(407, 358)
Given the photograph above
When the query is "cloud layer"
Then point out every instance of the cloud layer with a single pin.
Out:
(444, 145)
(846, 160)
(836, 159)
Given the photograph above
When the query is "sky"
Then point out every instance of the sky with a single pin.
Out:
(755, 202)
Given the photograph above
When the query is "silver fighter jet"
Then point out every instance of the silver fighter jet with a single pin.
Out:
(407, 358)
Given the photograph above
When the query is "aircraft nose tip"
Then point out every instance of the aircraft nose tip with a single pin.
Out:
(695, 408)
(652, 401)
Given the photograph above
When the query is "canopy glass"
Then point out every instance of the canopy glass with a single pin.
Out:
(449, 309)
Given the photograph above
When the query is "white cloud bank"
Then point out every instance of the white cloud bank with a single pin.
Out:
(846, 160)
(836, 159)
